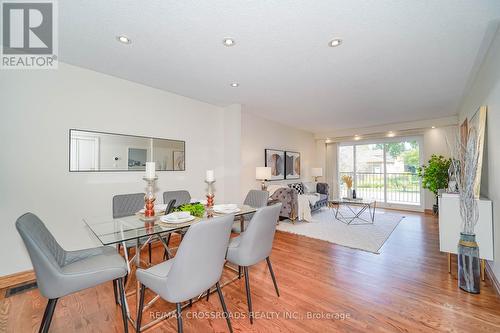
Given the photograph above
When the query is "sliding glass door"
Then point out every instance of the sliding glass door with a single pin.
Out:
(384, 170)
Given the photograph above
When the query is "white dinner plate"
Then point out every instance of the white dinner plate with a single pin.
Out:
(178, 215)
(165, 219)
(226, 209)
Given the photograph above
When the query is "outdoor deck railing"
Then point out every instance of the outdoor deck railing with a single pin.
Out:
(402, 188)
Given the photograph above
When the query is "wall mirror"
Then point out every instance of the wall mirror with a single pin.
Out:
(99, 151)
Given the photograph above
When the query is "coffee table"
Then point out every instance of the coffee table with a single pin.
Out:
(352, 205)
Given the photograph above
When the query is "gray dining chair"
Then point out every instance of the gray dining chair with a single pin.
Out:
(255, 199)
(60, 272)
(197, 266)
(127, 205)
(180, 197)
(255, 245)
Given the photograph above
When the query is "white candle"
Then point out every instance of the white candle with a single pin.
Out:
(150, 170)
(210, 176)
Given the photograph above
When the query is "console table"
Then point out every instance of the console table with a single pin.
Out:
(450, 226)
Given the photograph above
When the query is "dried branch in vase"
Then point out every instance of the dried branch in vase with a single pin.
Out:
(347, 180)
(465, 163)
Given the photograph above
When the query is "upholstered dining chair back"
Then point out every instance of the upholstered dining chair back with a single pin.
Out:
(256, 198)
(47, 256)
(181, 197)
(256, 242)
(60, 272)
(127, 204)
(199, 259)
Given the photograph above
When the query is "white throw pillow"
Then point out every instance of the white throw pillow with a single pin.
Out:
(309, 187)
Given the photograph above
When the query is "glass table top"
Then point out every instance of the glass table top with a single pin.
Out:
(112, 231)
(353, 201)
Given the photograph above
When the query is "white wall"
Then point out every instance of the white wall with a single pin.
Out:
(486, 91)
(232, 153)
(435, 143)
(37, 110)
(258, 134)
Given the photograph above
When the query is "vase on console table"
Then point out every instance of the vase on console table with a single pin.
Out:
(469, 270)
(349, 193)
(465, 165)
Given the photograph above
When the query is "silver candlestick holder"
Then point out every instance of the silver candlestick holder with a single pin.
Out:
(149, 199)
(210, 198)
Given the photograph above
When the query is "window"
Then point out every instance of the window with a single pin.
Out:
(385, 171)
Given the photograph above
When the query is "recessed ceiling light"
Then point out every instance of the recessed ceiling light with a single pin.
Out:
(335, 42)
(433, 127)
(235, 84)
(390, 134)
(357, 137)
(228, 42)
(123, 39)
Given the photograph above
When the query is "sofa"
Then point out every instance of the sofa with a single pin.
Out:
(288, 197)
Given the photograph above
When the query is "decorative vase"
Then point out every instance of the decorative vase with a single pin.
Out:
(469, 273)
(349, 193)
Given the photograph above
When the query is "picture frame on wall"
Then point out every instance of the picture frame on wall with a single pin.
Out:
(478, 121)
(275, 159)
(292, 165)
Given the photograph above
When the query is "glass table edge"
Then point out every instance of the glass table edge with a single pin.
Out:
(245, 211)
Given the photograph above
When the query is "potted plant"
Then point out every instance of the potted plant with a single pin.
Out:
(435, 176)
(465, 164)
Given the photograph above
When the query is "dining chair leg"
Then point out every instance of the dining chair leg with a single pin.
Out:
(239, 272)
(208, 294)
(272, 275)
(47, 315)
(42, 323)
(165, 252)
(128, 256)
(149, 252)
(249, 297)
(179, 318)
(224, 308)
(140, 308)
(114, 291)
(124, 309)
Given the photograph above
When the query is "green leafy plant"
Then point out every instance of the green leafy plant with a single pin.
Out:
(435, 174)
(195, 209)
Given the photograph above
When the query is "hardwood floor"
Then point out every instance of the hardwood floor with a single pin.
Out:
(406, 288)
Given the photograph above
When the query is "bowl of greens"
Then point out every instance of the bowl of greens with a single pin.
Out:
(196, 209)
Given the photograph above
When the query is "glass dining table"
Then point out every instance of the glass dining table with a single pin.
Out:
(135, 230)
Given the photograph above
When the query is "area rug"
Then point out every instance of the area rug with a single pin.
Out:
(366, 237)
